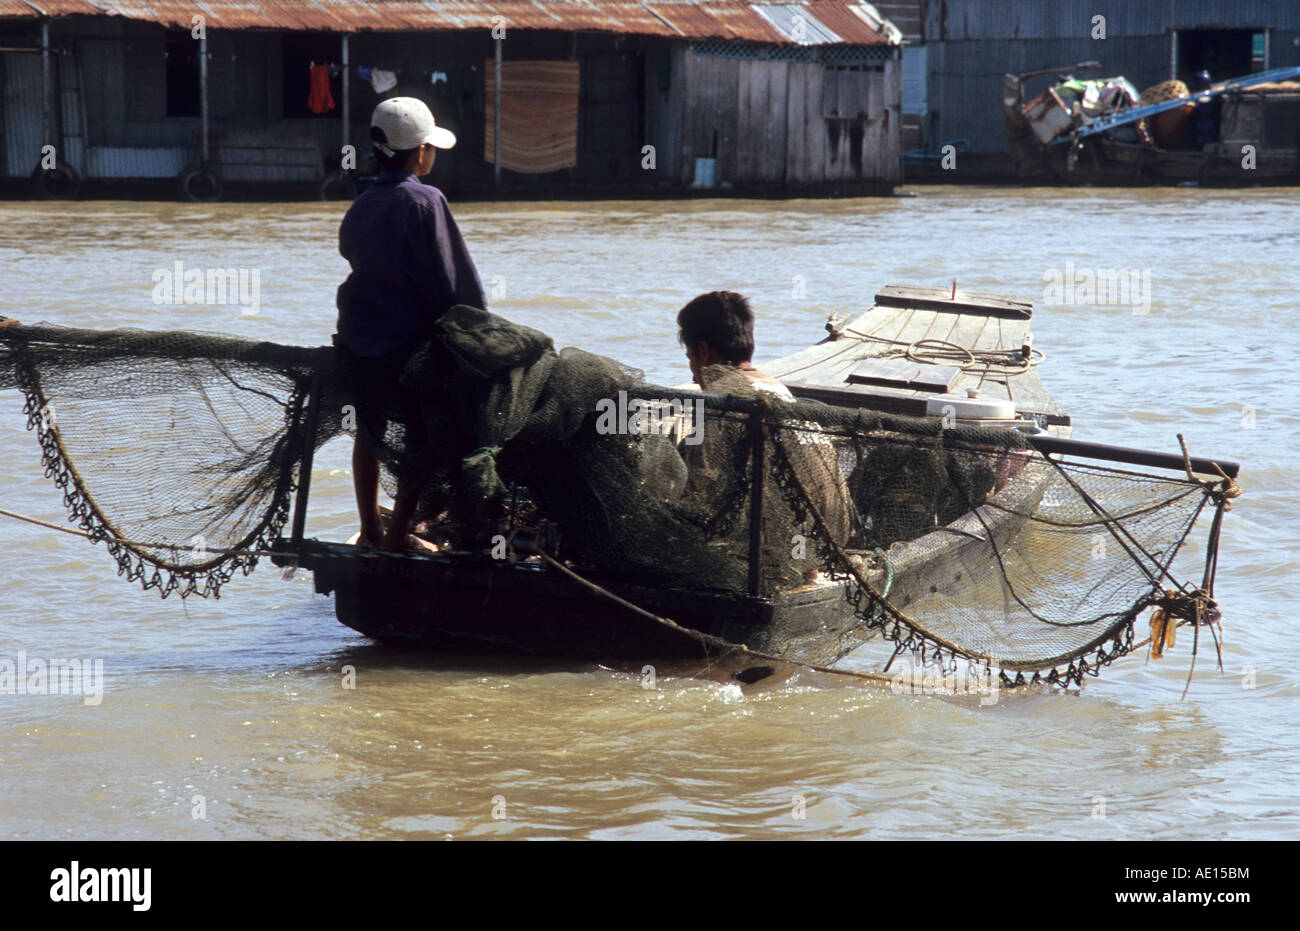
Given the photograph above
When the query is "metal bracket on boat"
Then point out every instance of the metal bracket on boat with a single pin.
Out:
(525, 543)
(534, 542)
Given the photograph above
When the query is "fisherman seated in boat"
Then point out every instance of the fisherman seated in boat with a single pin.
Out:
(717, 331)
(409, 266)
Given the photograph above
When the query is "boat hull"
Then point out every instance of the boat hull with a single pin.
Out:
(470, 602)
(460, 602)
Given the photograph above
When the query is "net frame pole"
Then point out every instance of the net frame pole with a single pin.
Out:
(758, 470)
(1143, 457)
(308, 436)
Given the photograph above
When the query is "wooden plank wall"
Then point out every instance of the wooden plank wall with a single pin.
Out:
(711, 114)
(762, 117)
(664, 111)
(771, 128)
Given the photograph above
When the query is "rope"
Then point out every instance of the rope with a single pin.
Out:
(945, 352)
(1222, 490)
(157, 546)
(874, 678)
(986, 359)
(889, 572)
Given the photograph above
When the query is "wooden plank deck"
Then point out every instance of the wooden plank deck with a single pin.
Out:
(901, 318)
(958, 301)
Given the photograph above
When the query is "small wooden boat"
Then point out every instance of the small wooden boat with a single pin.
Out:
(961, 357)
(916, 459)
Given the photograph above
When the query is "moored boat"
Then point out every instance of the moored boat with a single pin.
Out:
(1102, 132)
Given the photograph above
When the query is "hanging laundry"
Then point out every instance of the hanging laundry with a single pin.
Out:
(438, 76)
(363, 73)
(319, 98)
(382, 80)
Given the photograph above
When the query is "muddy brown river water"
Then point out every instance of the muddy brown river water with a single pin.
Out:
(234, 709)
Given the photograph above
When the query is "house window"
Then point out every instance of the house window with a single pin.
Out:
(300, 52)
(181, 54)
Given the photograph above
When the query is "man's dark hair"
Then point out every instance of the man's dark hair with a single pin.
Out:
(395, 162)
(723, 320)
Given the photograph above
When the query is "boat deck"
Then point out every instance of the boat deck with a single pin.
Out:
(839, 369)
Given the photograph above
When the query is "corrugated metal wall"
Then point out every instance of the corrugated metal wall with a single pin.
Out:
(965, 86)
(988, 38)
(959, 20)
(123, 162)
(22, 113)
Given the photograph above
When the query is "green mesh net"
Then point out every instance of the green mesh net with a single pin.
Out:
(181, 453)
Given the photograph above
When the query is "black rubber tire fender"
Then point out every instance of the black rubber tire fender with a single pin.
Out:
(58, 183)
(199, 185)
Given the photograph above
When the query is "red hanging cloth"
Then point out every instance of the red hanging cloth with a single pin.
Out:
(319, 98)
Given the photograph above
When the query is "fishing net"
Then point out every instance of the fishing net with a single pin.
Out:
(177, 450)
(181, 453)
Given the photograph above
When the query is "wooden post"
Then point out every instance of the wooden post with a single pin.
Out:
(496, 121)
(203, 94)
(308, 453)
(346, 107)
(757, 475)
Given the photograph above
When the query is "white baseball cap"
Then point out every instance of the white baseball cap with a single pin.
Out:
(407, 124)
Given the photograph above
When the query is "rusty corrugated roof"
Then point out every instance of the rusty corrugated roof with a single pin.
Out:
(719, 19)
(852, 22)
(33, 10)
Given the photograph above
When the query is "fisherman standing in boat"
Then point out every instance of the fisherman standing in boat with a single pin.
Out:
(409, 266)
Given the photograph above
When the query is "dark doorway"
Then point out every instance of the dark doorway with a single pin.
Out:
(610, 116)
(300, 52)
(1225, 53)
(181, 72)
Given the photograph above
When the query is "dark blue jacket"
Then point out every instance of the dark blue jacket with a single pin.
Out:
(409, 265)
